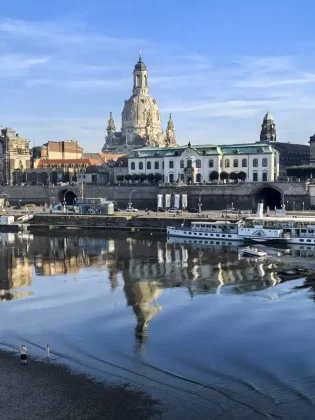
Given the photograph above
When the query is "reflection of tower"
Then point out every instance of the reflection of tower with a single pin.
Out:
(141, 296)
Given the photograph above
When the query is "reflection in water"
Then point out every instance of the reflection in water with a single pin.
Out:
(147, 266)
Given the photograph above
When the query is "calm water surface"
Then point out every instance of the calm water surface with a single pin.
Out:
(209, 334)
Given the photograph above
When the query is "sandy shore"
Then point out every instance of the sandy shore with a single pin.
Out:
(46, 391)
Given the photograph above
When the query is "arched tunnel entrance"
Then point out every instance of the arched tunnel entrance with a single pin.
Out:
(68, 197)
(270, 197)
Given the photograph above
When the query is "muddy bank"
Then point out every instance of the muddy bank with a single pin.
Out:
(42, 390)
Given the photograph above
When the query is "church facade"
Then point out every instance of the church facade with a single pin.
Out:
(141, 120)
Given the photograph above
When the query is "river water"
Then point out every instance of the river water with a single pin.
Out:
(212, 336)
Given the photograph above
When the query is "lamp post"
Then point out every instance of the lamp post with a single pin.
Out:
(130, 203)
(293, 205)
(303, 206)
(287, 205)
(200, 205)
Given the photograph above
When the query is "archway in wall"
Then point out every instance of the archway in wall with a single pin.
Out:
(270, 197)
(68, 197)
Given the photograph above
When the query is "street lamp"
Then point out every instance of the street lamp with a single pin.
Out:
(200, 205)
(293, 205)
(303, 206)
(287, 205)
(130, 203)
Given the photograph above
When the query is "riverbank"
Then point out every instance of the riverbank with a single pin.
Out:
(43, 390)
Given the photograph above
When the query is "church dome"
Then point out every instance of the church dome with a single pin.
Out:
(138, 110)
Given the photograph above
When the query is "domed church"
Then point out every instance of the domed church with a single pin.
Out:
(141, 121)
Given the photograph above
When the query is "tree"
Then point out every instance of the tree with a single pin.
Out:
(242, 176)
(224, 176)
(150, 177)
(135, 177)
(214, 176)
(120, 178)
(157, 177)
(142, 177)
(128, 177)
(234, 176)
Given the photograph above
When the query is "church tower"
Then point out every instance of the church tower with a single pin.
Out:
(170, 137)
(268, 129)
(140, 78)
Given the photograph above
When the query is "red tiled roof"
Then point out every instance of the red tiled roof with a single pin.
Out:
(89, 162)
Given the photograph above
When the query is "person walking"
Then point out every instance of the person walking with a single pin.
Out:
(23, 354)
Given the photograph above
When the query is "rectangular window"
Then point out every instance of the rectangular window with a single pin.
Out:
(171, 164)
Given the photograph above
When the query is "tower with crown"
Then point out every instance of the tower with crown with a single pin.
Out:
(268, 129)
(141, 122)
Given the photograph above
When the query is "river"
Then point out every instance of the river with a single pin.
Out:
(211, 335)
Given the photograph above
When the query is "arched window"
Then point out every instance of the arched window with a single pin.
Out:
(138, 80)
(265, 162)
(140, 166)
(171, 164)
(189, 163)
(255, 176)
(198, 178)
(171, 178)
(235, 163)
(255, 163)
(133, 166)
(156, 165)
(182, 164)
(145, 80)
(198, 163)
(264, 176)
(210, 163)
(148, 165)
(227, 163)
(244, 163)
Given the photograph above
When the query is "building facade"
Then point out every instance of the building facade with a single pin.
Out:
(14, 154)
(207, 163)
(141, 120)
(60, 150)
(291, 154)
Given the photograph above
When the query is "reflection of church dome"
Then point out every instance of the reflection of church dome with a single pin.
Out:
(141, 296)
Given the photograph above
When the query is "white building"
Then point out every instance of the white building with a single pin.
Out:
(207, 163)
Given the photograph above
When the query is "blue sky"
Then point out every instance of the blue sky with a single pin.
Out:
(217, 66)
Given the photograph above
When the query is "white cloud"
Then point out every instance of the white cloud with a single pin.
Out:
(18, 64)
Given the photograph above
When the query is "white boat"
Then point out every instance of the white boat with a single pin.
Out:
(256, 228)
(253, 252)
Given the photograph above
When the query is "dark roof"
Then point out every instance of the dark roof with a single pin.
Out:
(140, 65)
(122, 162)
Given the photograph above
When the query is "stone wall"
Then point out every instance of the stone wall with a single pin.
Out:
(215, 197)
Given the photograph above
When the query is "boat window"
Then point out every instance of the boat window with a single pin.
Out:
(217, 235)
(229, 236)
(223, 236)
(200, 234)
(309, 240)
(303, 230)
(195, 234)
(189, 233)
(211, 234)
(197, 225)
(206, 234)
(301, 240)
(310, 231)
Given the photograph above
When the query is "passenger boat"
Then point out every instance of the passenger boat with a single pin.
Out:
(252, 252)
(256, 228)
